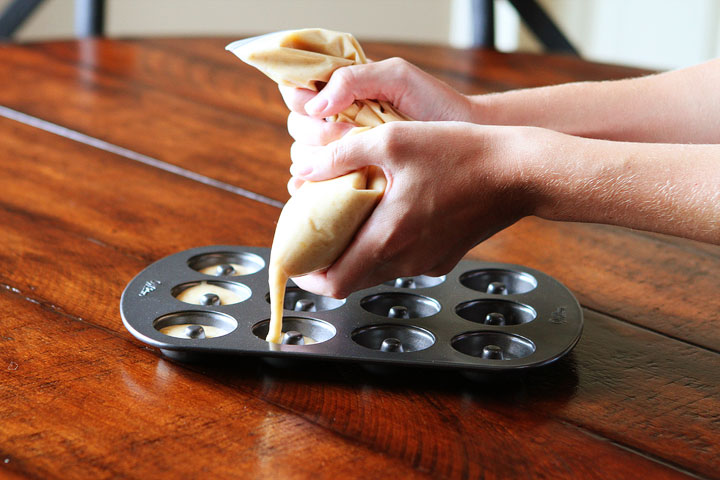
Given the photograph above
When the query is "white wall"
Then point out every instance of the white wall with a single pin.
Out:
(648, 33)
(659, 34)
(425, 21)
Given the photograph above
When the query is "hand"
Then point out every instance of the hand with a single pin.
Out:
(412, 91)
(450, 186)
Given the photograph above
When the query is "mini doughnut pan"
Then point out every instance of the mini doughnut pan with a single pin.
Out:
(480, 317)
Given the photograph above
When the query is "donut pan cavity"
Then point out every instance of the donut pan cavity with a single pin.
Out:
(482, 316)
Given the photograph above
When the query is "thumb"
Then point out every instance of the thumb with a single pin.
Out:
(337, 158)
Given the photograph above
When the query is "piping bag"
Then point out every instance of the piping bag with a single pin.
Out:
(319, 221)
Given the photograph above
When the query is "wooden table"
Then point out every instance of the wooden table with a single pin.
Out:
(114, 154)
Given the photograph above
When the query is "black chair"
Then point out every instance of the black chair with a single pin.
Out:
(533, 16)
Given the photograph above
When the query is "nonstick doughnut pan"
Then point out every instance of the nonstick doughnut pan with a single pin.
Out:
(482, 316)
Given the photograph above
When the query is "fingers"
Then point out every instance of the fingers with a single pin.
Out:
(296, 98)
(350, 153)
(293, 184)
(320, 284)
(315, 283)
(315, 131)
(359, 266)
(356, 269)
(412, 91)
(315, 163)
(309, 160)
(377, 81)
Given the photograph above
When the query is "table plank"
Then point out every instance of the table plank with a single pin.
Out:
(133, 415)
(615, 384)
(111, 200)
(223, 144)
(615, 372)
(198, 69)
(81, 402)
(671, 287)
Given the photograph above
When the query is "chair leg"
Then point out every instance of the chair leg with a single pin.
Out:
(15, 15)
(543, 27)
(483, 17)
(89, 18)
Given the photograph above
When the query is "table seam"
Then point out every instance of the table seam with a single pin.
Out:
(633, 450)
(648, 329)
(106, 146)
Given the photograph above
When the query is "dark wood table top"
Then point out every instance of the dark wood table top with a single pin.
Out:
(114, 154)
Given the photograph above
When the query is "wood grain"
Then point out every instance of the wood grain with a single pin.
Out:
(81, 402)
(615, 271)
(133, 415)
(112, 90)
(239, 149)
(89, 233)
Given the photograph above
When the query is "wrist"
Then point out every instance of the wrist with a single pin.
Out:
(484, 109)
(569, 178)
(539, 162)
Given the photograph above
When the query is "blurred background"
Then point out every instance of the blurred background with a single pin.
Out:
(645, 33)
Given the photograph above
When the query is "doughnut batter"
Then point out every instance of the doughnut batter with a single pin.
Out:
(196, 294)
(238, 269)
(314, 228)
(178, 331)
(319, 221)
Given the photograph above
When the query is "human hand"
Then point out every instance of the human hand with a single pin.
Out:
(450, 186)
(410, 90)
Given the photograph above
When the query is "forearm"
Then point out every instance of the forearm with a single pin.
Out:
(674, 107)
(665, 188)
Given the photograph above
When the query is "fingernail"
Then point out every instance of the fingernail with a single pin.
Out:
(300, 171)
(316, 106)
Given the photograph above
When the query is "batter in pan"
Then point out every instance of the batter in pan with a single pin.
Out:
(201, 293)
